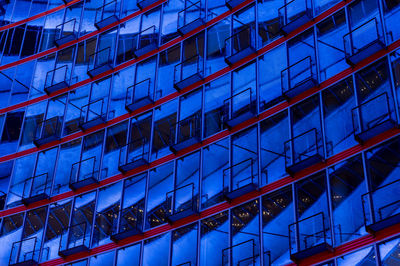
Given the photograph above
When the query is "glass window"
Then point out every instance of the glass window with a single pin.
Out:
(215, 160)
(365, 257)
(160, 182)
(129, 255)
(389, 252)
(214, 238)
(184, 245)
(347, 184)
(11, 231)
(158, 245)
(103, 259)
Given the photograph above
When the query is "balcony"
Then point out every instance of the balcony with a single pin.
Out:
(362, 42)
(182, 202)
(244, 253)
(142, 4)
(231, 4)
(145, 41)
(66, 32)
(240, 45)
(129, 224)
(303, 151)
(139, 95)
(309, 236)
(92, 114)
(100, 62)
(56, 79)
(192, 17)
(106, 15)
(295, 14)
(83, 173)
(75, 239)
(381, 207)
(36, 188)
(372, 118)
(25, 252)
(239, 108)
(298, 78)
(47, 131)
(239, 179)
(133, 155)
(187, 133)
(188, 72)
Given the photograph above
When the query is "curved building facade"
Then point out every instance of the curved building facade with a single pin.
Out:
(200, 132)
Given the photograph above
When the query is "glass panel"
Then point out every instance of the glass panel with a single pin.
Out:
(129, 255)
(365, 257)
(184, 245)
(389, 252)
(158, 245)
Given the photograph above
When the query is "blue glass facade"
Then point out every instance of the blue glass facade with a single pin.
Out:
(211, 132)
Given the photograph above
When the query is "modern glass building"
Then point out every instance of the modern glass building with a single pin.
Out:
(200, 132)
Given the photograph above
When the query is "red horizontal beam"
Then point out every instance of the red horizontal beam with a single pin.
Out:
(345, 248)
(263, 50)
(40, 15)
(80, 39)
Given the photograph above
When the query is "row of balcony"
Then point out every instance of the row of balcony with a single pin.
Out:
(306, 237)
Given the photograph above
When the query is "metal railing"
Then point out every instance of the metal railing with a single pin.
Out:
(360, 37)
(302, 147)
(243, 253)
(100, 58)
(25, 250)
(48, 128)
(185, 129)
(381, 203)
(106, 11)
(92, 111)
(189, 67)
(239, 175)
(66, 28)
(145, 37)
(36, 185)
(138, 92)
(238, 104)
(56, 76)
(296, 74)
(83, 170)
(133, 151)
(307, 233)
(239, 41)
(191, 13)
(75, 236)
(182, 199)
(371, 113)
(294, 9)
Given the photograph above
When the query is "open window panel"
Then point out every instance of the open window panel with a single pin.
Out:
(309, 236)
(47, 131)
(303, 151)
(106, 15)
(56, 79)
(244, 253)
(92, 114)
(241, 44)
(145, 41)
(363, 41)
(240, 179)
(381, 207)
(185, 133)
(130, 222)
(25, 252)
(231, 4)
(75, 239)
(133, 155)
(188, 72)
(295, 14)
(100, 62)
(36, 188)
(83, 173)
(298, 78)
(142, 4)
(191, 17)
(139, 95)
(66, 32)
(372, 118)
(182, 202)
(240, 107)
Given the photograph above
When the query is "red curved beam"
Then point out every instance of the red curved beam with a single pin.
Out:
(126, 64)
